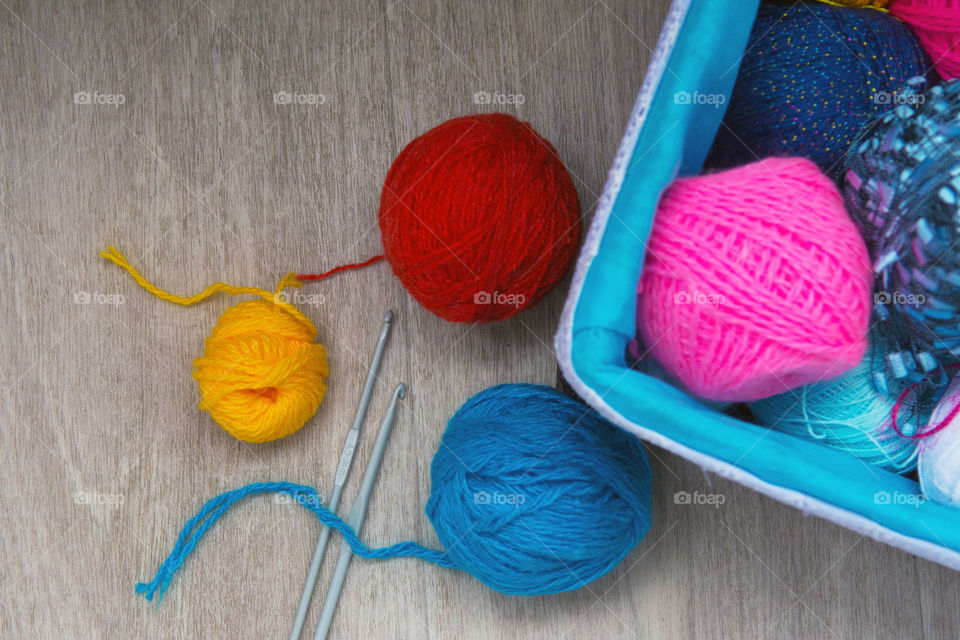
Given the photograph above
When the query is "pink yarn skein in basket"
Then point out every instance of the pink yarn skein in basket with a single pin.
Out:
(756, 281)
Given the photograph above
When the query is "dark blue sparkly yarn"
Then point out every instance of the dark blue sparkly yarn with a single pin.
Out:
(811, 78)
(902, 186)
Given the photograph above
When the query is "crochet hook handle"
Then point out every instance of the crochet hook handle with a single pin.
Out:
(343, 469)
(357, 513)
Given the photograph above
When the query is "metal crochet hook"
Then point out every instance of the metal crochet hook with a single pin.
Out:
(357, 513)
(343, 469)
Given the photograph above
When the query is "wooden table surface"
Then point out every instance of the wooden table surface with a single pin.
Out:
(154, 127)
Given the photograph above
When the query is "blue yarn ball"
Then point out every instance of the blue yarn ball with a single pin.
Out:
(535, 493)
(811, 77)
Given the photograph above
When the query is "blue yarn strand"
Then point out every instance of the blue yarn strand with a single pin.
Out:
(532, 493)
(195, 528)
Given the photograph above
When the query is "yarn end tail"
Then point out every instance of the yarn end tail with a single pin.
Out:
(312, 277)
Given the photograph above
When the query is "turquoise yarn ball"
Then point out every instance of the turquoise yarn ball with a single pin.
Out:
(535, 493)
(848, 413)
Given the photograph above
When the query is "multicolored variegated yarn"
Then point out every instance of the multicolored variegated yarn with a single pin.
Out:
(903, 188)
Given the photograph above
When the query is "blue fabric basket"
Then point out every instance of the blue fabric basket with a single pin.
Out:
(669, 134)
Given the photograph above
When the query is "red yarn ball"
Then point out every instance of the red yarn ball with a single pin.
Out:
(479, 218)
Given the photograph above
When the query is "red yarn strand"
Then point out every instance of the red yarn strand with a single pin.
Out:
(919, 435)
(311, 277)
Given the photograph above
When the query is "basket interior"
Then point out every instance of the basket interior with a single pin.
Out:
(673, 141)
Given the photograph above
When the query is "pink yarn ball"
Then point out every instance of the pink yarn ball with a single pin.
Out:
(936, 23)
(756, 281)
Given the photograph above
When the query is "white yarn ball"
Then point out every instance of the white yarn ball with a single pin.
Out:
(939, 463)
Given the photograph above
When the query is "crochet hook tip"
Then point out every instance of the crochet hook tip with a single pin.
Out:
(388, 317)
(401, 391)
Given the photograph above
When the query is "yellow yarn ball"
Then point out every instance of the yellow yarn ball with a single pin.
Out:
(262, 375)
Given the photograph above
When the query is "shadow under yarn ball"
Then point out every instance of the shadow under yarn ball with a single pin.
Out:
(811, 77)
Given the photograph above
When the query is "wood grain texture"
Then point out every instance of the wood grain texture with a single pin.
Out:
(200, 176)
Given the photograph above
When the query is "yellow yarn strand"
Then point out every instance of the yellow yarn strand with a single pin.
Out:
(879, 5)
(261, 375)
(117, 258)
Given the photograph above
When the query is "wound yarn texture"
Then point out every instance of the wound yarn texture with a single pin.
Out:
(902, 186)
(848, 413)
(479, 218)
(261, 376)
(938, 468)
(756, 281)
(532, 492)
(811, 77)
(936, 24)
